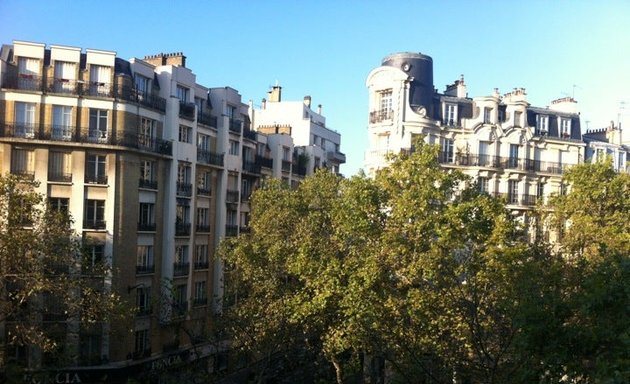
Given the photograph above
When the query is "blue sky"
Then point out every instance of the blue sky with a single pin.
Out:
(326, 48)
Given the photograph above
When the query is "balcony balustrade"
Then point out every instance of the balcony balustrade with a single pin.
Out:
(249, 134)
(204, 191)
(200, 301)
(147, 184)
(144, 311)
(379, 116)
(95, 179)
(231, 230)
(141, 354)
(60, 177)
(207, 119)
(145, 269)
(180, 269)
(187, 111)
(201, 265)
(498, 162)
(251, 167)
(184, 189)
(235, 126)
(299, 169)
(208, 157)
(22, 82)
(232, 196)
(146, 227)
(63, 86)
(182, 229)
(264, 162)
(143, 98)
(94, 224)
(203, 228)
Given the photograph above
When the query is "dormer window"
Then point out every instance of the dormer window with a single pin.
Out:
(450, 114)
(565, 127)
(542, 124)
(487, 115)
(182, 94)
(143, 85)
(383, 107)
(517, 118)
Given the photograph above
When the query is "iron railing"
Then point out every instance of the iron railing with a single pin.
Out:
(209, 157)
(381, 115)
(184, 189)
(145, 269)
(148, 184)
(180, 269)
(264, 162)
(235, 126)
(182, 229)
(187, 111)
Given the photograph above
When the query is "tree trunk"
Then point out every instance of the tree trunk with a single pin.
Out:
(338, 372)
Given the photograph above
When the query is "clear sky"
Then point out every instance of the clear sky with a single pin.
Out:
(326, 48)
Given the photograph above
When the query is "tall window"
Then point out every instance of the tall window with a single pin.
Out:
(65, 74)
(200, 293)
(22, 162)
(59, 204)
(182, 213)
(542, 124)
(540, 190)
(450, 114)
(204, 183)
(487, 115)
(95, 169)
(517, 118)
(143, 85)
(385, 105)
(147, 170)
(513, 160)
(286, 154)
(447, 150)
(482, 184)
(94, 255)
(144, 261)
(143, 300)
(24, 119)
(28, 73)
(234, 147)
(565, 127)
(62, 122)
(100, 79)
(98, 125)
(201, 256)
(143, 343)
(202, 217)
(512, 197)
(185, 134)
(203, 142)
(146, 132)
(94, 214)
(59, 166)
(146, 219)
(181, 254)
(183, 173)
(182, 94)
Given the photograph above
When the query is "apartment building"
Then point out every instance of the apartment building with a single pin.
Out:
(509, 147)
(316, 144)
(155, 169)
(606, 143)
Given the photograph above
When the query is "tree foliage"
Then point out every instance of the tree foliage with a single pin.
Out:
(419, 270)
(44, 281)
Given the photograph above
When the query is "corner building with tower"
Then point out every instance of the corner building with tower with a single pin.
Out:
(510, 148)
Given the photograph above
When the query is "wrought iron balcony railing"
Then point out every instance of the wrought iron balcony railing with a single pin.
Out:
(381, 115)
(264, 162)
(251, 167)
(232, 196)
(95, 179)
(231, 230)
(209, 157)
(180, 269)
(235, 126)
(204, 191)
(187, 111)
(184, 189)
(147, 184)
(145, 269)
(202, 228)
(146, 227)
(207, 119)
(94, 224)
(60, 177)
(182, 229)
(201, 265)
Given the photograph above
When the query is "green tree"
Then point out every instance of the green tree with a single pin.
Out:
(46, 293)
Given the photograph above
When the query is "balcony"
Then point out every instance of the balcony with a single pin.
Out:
(147, 184)
(60, 133)
(97, 89)
(180, 269)
(251, 167)
(231, 230)
(22, 82)
(143, 98)
(94, 224)
(209, 157)
(147, 143)
(286, 166)
(182, 229)
(207, 120)
(203, 228)
(380, 116)
(232, 196)
(337, 157)
(245, 229)
(529, 200)
(497, 162)
(235, 126)
(184, 189)
(264, 162)
(144, 311)
(145, 269)
(200, 301)
(23, 130)
(187, 111)
(60, 177)
(63, 86)
(97, 136)
(95, 179)
(23, 173)
(249, 134)
(204, 191)
(146, 227)
(201, 265)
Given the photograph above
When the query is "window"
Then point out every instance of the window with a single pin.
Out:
(93, 256)
(185, 134)
(146, 132)
(542, 124)
(230, 111)
(565, 127)
(201, 297)
(143, 300)
(234, 147)
(94, 214)
(512, 192)
(450, 115)
(59, 166)
(179, 299)
(183, 174)
(540, 190)
(563, 189)
(144, 261)
(143, 343)
(487, 115)
(181, 254)
(182, 213)
(146, 219)
(182, 94)
(482, 184)
(100, 79)
(22, 162)
(484, 153)
(202, 220)
(384, 105)
(204, 183)
(95, 169)
(62, 122)
(447, 150)
(24, 119)
(28, 73)
(98, 125)
(231, 218)
(201, 256)
(143, 85)
(65, 74)
(203, 142)
(317, 162)
(513, 159)
(517, 118)
(286, 154)
(147, 170)
(245, 189)
(59, 204)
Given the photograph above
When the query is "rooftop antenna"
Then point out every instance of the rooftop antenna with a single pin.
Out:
(575, 86)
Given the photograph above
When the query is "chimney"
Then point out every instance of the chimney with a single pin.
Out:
(275, 95)
(176, 58)
(264, 103)
(307, 101)
(319, 109)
